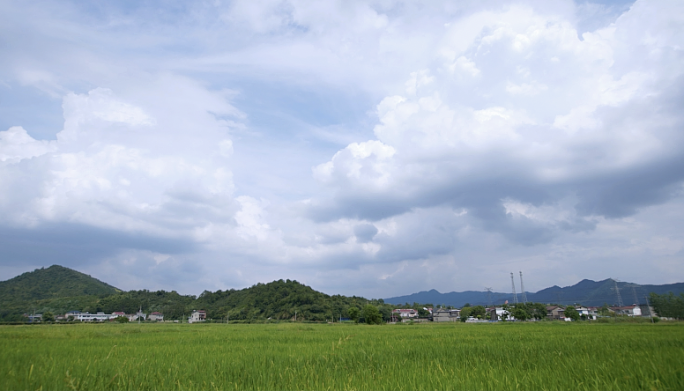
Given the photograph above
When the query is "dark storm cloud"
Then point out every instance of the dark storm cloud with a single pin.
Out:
(76, 244)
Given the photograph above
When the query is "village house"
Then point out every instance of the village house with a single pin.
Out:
(72, 314)
(197, 316)
(34, 317)
(88, 317)
(555, 312)
(156, 317)
(499, 313)
(405, 313)
(587, 312)
(629, 310)
(445, 315)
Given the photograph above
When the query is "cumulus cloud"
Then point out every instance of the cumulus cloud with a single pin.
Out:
(16, 145)
(350, 145)
(557, 139)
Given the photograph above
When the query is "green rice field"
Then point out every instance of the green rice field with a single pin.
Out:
(508, 356)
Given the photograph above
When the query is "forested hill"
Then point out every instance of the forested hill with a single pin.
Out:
(54, 288)
(54, 282)
(58, 290)
(276, 300)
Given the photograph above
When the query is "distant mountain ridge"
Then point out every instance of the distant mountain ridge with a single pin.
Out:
(585, 292)
(59, 289)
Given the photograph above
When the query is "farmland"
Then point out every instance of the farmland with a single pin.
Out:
(546, 355)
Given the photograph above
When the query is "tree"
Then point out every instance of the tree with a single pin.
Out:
(478, 311)
(519, 312)
(48, 317)
(353, 313)
(465, 312)
(121, 319)
(536, 310)
(604, 310)
(571, 312)
(386, 312)
(668, 305)
(371, 314)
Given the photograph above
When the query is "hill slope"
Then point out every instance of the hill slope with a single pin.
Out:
(57, 289)
(53, 282)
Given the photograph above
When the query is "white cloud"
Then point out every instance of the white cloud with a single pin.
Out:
(16, 144)
(542, 134)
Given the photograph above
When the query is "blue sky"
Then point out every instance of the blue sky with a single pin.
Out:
(371, 148)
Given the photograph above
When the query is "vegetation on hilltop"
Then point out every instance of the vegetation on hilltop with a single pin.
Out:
(57, 289)
(55, 281)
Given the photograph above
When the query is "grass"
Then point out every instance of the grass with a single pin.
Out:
(542, 356)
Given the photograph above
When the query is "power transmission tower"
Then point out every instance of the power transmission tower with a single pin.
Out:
(489, 296)
(617, 292)
(636, 300)
(515, 295)
(522, 289)
(650, 313)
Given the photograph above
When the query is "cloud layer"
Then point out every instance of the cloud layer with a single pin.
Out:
(367, 148)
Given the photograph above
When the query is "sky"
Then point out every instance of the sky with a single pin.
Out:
(374, 148)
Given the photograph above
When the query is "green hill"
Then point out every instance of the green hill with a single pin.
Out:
(277, 300)
(53, 282)
(56, 288)
(59, 289)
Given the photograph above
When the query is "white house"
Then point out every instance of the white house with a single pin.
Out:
(88, 317)
(405, 313)
(197, 316)
(500, 313)
(589, 313)
(629, 310)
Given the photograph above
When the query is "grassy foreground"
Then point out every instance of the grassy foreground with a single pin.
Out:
(543, 356)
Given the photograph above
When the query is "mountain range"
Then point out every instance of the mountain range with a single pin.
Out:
(585, 292)
(58, 289)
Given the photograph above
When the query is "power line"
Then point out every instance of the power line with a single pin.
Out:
(522, 289)
(617, 292)
(515, 295)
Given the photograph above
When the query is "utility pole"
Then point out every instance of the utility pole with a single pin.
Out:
(522, 289)
(489, 296)
(295, 315)
(515, 295)
(617, 292)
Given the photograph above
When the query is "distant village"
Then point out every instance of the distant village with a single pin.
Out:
(491, 314)
(504, 313)
(78, 316)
